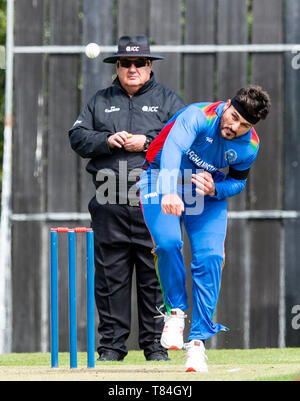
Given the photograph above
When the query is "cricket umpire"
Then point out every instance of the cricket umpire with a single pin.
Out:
(114, 131)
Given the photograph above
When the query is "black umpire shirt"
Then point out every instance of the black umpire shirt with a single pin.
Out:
(111, 110)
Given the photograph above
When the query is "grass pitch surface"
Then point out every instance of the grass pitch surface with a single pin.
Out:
(224, 365)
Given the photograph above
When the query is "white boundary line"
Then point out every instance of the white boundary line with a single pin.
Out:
(20, 217)
(247, 214)
(264, 214)
(239, 48)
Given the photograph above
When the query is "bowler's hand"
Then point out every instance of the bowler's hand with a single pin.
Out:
(135, 143)
(172, 204)
(118, 139)
(204, 183)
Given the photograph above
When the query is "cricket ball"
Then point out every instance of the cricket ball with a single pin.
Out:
(92, 50)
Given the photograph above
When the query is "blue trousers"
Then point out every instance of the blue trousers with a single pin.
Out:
(206, 232)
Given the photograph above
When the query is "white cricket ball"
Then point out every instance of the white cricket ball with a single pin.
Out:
(92, 50)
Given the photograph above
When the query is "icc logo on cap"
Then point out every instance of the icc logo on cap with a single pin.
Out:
(132, 48)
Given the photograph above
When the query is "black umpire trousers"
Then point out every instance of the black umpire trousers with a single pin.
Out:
(122, 242)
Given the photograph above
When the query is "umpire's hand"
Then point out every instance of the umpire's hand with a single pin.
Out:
(118, 139)
(132, 143)
(135, 143)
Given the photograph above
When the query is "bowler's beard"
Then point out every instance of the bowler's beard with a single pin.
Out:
(227, 133)
(230, 134)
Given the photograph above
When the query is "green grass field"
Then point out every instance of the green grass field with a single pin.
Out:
(224, 365)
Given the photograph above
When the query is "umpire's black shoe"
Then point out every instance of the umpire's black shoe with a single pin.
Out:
(110, 355)
(158, 356)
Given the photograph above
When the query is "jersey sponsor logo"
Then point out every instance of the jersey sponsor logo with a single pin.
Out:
(133, 48)
(230, 155)
(112, 109)
(199, 162)
(150, 109)
(151, 195)
(208, 139)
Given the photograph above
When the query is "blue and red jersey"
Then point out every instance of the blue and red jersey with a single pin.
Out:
(192, 140)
